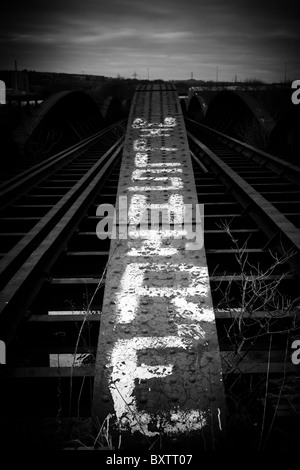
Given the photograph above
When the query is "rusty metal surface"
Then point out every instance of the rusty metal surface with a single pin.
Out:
(158, 368)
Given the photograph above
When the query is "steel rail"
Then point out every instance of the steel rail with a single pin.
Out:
(278, 165)
(14, 258)
(21, 183)
(274, 224)
(47, 240)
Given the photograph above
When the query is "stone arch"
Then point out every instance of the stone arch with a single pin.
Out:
(239, 115)
(60, 121)
(197, 107)
(126, 105)
(112, 110)
(284, 140)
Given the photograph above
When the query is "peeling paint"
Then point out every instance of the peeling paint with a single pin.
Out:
(142, 160)
(158, 321)
(137, 174)
(172, 211)
(140, 123)
(140, 145)
(132, 289)
(122, 385)
(176, 183)
(155, 133)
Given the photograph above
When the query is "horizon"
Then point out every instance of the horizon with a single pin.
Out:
(247, 80)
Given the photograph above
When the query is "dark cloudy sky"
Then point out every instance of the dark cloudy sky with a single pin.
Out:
(172, 38)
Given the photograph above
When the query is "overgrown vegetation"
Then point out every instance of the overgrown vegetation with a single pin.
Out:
(263, 324)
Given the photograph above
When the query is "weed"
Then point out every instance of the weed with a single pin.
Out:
(261, 314)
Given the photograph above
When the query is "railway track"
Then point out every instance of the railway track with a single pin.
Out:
(53, 274)
(32, 202)
(50, 268)
(251, 232)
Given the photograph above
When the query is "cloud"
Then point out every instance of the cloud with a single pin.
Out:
(113, 36)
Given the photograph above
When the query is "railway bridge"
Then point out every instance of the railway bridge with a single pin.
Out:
(149, 290)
